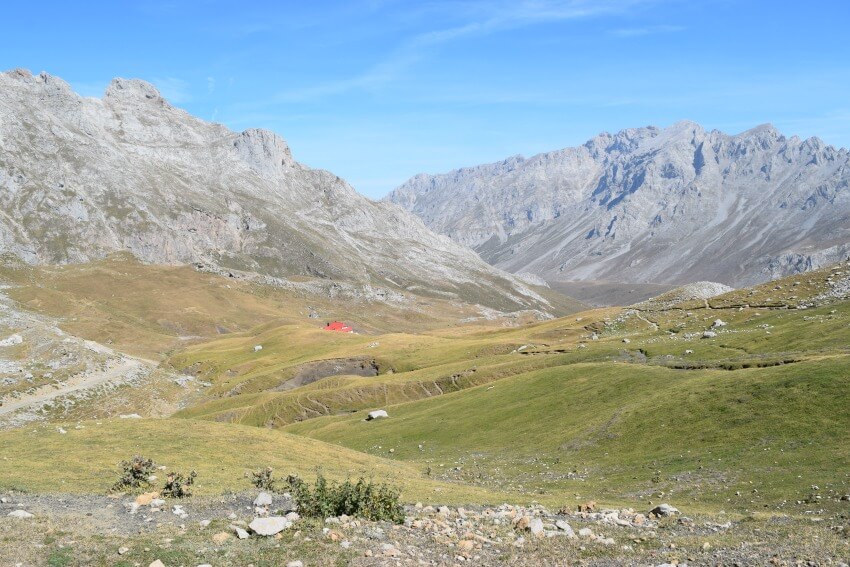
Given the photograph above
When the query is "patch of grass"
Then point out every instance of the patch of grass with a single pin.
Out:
(84, 460)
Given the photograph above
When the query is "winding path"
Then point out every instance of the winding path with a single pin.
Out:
(82, 381)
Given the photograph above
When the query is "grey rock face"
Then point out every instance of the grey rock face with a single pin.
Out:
(670, 205)
(81, 178)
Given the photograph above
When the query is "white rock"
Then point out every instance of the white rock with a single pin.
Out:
(263, 499)
(240, 533)
(377, 414)
(718, 323)
(20, 514)
(269, 526)
(157, 563)
(535, 526)
(664, 510)
(258, 348)
(585, 532)
(11, 341)
(295, 564)
(565, 527)
(130, 416)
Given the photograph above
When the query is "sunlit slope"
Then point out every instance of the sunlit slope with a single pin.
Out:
(148, 310)
(85, 459)
(749, 415)
(619, 430)
(246, 384)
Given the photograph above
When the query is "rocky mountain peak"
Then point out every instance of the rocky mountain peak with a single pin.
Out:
(81, 178)
(132, 89)
(651, 205)
(264, 151)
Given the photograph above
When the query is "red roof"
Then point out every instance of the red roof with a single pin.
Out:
(338, 326)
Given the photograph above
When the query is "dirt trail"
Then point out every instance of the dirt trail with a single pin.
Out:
(82, 381)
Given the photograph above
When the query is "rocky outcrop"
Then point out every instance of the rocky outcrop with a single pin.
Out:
(81, 178)
(670, 205)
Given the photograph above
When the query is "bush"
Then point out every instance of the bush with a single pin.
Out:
(134, 474)
(177, 486)
(365, 499)
(262, 479)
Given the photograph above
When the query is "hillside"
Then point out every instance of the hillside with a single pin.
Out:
(650, 205)
(603, 412)
(727, 405)
(81, 178)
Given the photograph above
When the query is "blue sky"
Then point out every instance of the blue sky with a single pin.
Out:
(379, 90)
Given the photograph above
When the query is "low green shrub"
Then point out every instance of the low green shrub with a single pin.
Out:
(364, 499)
(177, 486)
(135, 474)
(263, 479)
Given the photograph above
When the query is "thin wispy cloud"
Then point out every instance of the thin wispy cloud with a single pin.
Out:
(646, 30)
(484, 18)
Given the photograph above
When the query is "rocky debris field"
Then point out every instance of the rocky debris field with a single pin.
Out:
(265, 529)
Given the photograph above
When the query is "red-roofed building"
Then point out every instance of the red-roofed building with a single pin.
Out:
(338, 326)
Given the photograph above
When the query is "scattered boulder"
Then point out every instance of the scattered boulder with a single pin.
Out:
(565, 527)
(20, 514)
(664, 510)
(269, 526)
(240, 533)
(709, 335)
(535, 526)
(295, 564)
(258, 348)
(263, 499)
(718, 323)
(12, 340)
(157, 563)
(377, 414)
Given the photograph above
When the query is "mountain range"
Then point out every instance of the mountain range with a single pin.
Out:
(650, 205)
(82, 178)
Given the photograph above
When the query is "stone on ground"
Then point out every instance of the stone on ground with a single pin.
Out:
(664, 510)
(269, 526)
(20, 514)
(263, 499)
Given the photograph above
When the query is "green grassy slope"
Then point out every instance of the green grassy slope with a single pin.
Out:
(747, 419)
(40, 459)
